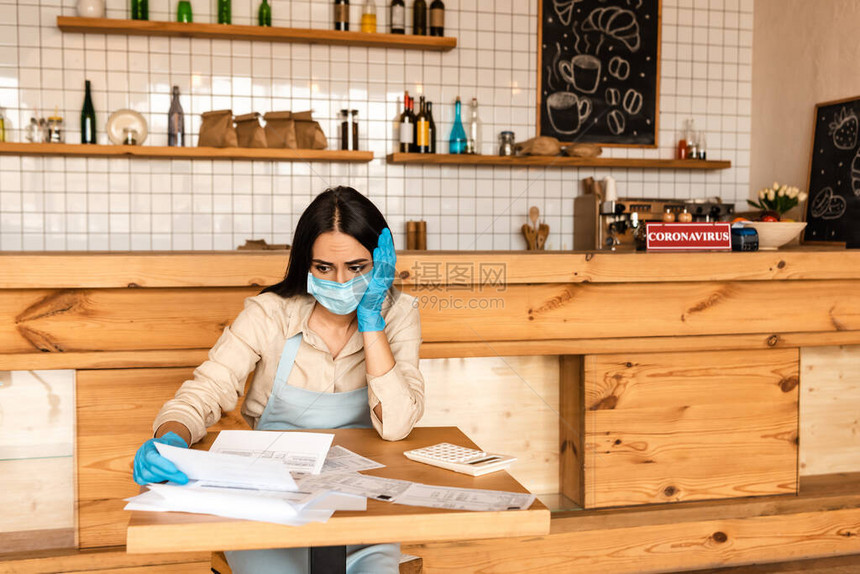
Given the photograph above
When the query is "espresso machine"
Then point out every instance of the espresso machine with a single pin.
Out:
(612, 225)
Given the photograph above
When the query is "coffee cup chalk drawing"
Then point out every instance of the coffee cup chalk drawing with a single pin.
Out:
(598, 72)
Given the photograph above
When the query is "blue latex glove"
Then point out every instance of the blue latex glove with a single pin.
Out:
(149, 466)
(382, 276)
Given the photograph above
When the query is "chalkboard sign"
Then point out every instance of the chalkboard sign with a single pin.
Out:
(833, 207)
(599, 71)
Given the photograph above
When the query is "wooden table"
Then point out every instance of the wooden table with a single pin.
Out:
(151, 532)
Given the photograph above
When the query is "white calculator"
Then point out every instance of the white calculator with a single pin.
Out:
(460, 459)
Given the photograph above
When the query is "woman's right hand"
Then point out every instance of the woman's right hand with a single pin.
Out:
(150, 466)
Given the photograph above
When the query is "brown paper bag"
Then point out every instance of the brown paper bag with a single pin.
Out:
(217, 130)
(280, 130)
(249, 132)
(309, 134)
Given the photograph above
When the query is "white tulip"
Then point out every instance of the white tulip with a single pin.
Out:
(775, 185)
(771, 195)
(801, 197)
(781, 191)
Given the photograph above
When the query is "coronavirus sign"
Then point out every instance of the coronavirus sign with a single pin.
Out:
(688, 236)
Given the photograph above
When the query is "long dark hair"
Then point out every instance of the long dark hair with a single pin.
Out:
(336, 209)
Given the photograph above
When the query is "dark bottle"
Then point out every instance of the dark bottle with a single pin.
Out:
(398, 17)
(88, 118)
(341, 15)
(414, 147)
(140, 9)
(432, 127)
(225, 12)
(406, 125)
(176, 122)
(422, 129)
(437, 18)
(264, 15)
(183, 12)
(419, 18)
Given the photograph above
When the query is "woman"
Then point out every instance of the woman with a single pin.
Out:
(331, 346)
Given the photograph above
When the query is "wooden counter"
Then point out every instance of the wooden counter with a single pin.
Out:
(679, 374)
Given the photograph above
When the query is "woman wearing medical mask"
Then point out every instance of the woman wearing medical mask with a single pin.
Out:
(331, 346)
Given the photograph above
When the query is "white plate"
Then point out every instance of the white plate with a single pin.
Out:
(122, 119)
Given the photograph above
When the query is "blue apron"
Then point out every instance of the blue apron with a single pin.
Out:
(291, 408)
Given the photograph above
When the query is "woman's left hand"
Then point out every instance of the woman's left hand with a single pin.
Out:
(382, 277)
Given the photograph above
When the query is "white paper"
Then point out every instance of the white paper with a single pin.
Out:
(230, 503)
(340, 459)
(463, 498)
(385, 489)
(219, 469)
(298, 451)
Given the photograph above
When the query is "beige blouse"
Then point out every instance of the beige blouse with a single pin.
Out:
(254, 343)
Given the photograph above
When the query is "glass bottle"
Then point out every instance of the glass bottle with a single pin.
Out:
(457, 143)
(432, 127)
(405, 127)
(88, 118)
(397, 16)
(422, 127)
(264, 14)
(473, 144)
(692, 145)
(437, 18)
(140, 9)
(414, 147)
(419, 18)
(183, 11)
(368, 16)
(225, 12)
(176, 122)
(682, 142)
(2, 125)
(341, 15)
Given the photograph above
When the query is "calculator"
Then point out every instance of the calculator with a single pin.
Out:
(460, 459)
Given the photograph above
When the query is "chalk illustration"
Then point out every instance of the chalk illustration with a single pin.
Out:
(632, 102)
(564, 9)
(616, 23)
(825, 205)
(635, 4)
(616, 121)
(843, 128)
(613, 97)
(855, 174)
(567, 111)
(583, 71)
(619, 67)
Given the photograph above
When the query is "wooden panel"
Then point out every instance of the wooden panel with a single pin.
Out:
(571, 428)
(165, 152)
(554, 161)
(829, 407)
(126, 319)
(237, 269)
(255, 33)
(115, 413)
(112, 560)
(507, 405)
(690, 426)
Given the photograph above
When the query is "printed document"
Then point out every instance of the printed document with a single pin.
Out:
(298, 451)
(463, 498)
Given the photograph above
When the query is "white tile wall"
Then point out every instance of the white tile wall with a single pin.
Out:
(117, 204)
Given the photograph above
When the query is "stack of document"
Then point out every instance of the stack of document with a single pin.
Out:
(293, 478)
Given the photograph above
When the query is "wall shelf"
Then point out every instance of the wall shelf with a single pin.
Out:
(164, 152)
(554, 161)
(261, 33)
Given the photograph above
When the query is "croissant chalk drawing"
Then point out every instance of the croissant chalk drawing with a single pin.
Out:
(616, 23)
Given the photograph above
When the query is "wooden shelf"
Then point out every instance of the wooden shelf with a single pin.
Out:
(553, 161)
(164, 152)
(261, 33)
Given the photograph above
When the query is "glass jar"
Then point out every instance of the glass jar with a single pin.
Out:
(506, 143)
(54, 131)
(129, 136)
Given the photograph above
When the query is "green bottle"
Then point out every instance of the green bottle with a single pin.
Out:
(264, 16)
(140, 9)
(88, 118)
(225, 12)
(183, 11)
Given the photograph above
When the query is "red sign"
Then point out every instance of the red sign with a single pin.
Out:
(688, 236)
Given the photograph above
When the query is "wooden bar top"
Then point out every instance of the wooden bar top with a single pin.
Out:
(35, 270)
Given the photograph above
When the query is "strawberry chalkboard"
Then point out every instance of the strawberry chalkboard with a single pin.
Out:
(599, 71)
(833, 209)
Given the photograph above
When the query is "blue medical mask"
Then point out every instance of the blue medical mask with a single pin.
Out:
(339, 298)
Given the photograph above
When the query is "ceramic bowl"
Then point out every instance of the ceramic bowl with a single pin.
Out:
(774, 234)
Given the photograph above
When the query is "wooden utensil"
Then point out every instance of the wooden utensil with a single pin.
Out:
(531, 236)
(534, 215)
(542, 233)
